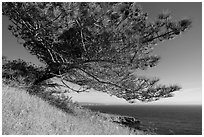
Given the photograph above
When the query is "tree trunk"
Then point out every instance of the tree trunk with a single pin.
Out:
(50, 74)
(45, 76)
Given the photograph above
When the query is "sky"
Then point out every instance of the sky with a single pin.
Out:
(181, 58)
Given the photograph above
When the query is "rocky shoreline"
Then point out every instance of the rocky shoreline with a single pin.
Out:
(128, 121)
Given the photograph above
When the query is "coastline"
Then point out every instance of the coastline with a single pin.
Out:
(163, 120)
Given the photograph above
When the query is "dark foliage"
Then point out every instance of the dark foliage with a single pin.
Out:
(96, 45)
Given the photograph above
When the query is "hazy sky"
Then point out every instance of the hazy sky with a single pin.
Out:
(181, 58)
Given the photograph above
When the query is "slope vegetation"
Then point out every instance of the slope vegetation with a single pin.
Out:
(24, 114)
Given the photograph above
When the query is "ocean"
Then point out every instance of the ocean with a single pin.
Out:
(161, 119)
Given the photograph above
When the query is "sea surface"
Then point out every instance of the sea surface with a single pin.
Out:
(161, 119)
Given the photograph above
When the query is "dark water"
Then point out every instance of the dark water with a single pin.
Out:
(163, 120)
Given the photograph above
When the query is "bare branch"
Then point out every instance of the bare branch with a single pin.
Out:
(51, 55)
(99, 60)
(151, 39)
(82, 40)
(104, 82)
(78, 91)
(49, 22)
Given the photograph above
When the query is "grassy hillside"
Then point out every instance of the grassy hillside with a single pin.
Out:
(23, 113)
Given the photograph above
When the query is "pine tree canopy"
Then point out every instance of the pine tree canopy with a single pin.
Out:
(95, 45)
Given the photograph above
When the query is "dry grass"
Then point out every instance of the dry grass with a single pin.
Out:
(24, 114)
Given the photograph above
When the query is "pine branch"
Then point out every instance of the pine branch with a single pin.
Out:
(103, 82)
